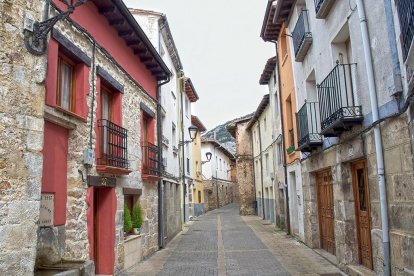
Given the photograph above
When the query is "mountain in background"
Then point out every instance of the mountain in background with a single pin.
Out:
(223, 136)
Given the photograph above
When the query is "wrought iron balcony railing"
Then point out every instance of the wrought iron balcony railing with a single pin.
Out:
(150, 162)
(302, 37)
(405, 10)
(114, 143)
(309, 127)
(322, 8)
(337, 107)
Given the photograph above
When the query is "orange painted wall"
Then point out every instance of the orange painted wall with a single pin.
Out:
(287, 90)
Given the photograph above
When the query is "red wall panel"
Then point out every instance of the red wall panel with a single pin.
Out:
(54, 179)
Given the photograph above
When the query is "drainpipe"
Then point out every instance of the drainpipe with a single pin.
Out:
(160, 183)
(254, 171)
(181, 89)
(397, 83)
(261, 167)
(377, 137)
(283, 146)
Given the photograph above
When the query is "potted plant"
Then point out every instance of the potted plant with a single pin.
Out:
(137, 219)
(127, 220)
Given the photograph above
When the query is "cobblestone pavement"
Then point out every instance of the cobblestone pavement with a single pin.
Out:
(223, 243)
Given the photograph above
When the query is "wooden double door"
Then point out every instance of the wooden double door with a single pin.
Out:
(326, 211)
(362, 212)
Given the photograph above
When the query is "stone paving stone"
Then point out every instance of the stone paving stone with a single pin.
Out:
(245, 246)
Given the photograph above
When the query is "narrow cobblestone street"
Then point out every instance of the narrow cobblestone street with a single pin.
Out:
(224, 243)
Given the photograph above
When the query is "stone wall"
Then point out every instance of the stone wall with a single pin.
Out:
(245, 171)
(216, 195)
(22, 93)
(399, 178)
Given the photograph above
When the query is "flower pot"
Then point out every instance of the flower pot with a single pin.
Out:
(136, 231)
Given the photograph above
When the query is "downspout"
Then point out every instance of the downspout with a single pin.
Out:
(182, 88)
(261, 167)
(283, 146)
(396, 69)
(254, 171)
(377, 137)
(161, 171)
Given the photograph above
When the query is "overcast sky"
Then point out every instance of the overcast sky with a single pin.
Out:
(221, 50)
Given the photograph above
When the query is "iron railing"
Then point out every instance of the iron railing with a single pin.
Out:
(301, 31)
(114, 144)
(336, 98)
(406, 16)
(150, 162)
(318, 4)
(309, 125)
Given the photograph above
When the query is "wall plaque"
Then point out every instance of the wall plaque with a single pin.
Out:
(101, 181)
(47, 209)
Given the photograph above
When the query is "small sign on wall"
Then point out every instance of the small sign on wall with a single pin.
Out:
(47, 209)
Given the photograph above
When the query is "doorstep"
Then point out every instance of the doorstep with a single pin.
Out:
(359, 270)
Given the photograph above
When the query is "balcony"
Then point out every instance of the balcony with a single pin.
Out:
(309, 127)
(175, 150)
(302, 37)
(165, 141)
(322, 8)
(291, 148)
(406, 16)
(114, 143)
(338, 110)
(150, 163)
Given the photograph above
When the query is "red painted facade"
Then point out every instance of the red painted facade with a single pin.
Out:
(97, 25)
(54, 179)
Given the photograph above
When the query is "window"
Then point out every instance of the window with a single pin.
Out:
(216, 163)
(174, 135)
(256, 169)
(187, 107)
(275, 76)
(265, 124)
(267, 164)
(66, 83)
(199, 196)
(188, 165)
(279, 153)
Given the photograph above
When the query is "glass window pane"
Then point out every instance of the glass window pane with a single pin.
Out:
(65, 85)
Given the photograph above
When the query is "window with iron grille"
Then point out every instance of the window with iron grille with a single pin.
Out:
(405, 10)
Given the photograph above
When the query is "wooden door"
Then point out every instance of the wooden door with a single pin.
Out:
(362, 212)
(326, 211)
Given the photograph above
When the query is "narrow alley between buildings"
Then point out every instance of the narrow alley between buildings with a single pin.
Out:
(223, 243)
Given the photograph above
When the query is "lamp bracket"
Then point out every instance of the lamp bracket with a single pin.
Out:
(35, 33)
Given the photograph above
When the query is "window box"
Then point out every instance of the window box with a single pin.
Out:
(290, 149)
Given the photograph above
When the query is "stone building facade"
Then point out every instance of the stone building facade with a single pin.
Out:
(22, 93)
(264, 171)
(84, 182)
(244, 166)
(217, 184)
(342, 202)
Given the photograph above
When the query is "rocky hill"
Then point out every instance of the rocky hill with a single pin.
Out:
(223, 136)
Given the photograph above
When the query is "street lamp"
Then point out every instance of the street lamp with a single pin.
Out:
(208, 156)
(193, 130)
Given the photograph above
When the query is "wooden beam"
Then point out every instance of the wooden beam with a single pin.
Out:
(133, 42)
(125, 33)
(106, 10)
(140, 51)
(117, 21)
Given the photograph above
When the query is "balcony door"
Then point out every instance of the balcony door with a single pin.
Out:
(362, 212)
(106, 116)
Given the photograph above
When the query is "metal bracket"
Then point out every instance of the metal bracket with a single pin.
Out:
(35, 34)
